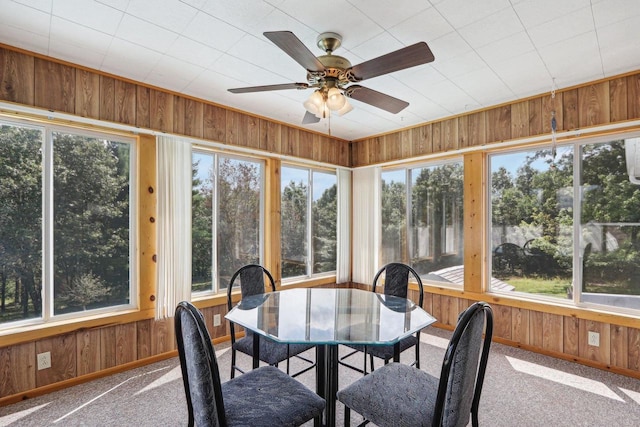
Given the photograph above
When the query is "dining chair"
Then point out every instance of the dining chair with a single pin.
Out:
(252, 282)
(402, 395)
(396, 283)
(263, 397)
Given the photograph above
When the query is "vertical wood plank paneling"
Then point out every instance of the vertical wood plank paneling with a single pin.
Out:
(194, 118)
(232, 134)
(593, 104)
(618, 99)
(463, 131)
(18, 77)
(498, 123)
(162, 336)
(421, 140)
(520, 325)
(143, 104)
(108, 347)
(553, 105)
(147, 209)
(304, 146)
(88, 351)
(477, 129)
(598, 354)
(178, 114)
(450, 134)
(569, 110)
(391, 143)
(536, 332)
(220, 331)
(215, 123)
(272, 137)
(502, 318)
(535, 116)
(473, 221)
(633, 96)
(633, 340)
(126, 340)
(125, 102)
(520, 119)
(252, 132)
(143, 334)
(87, 94)
(449, 310)
(552, 327)
(17, 368)
(161, 110)
(406, 145)
(619, 350)
(63, 359)
(571, 338)
(55, 86)
(107, 98)
(436, 137)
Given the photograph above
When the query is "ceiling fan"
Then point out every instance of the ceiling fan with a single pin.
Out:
(333, 76)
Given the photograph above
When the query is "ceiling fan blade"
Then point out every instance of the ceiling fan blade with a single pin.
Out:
(269, 87)
(293, 47)
(375, 98)
(407, 57)
(309, 118)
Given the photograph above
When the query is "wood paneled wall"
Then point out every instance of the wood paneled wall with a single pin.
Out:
(602, 102)
(52, 85)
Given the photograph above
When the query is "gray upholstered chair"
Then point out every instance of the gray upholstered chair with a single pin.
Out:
(396, 283)
(398, 395)
(263, 397)
(252, 282)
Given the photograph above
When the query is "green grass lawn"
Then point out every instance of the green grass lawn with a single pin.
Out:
(556, 287)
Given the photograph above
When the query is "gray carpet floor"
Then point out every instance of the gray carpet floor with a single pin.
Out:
(521, 389)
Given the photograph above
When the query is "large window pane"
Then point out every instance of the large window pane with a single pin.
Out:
(202, 222)
(532, 221)
(610, 223)
(90, 222)
(394, 215)
(294, 224)
(325, 219)
(20, 223)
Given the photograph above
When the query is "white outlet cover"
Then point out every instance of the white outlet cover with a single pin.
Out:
(216, 320)
(44, 360)
(594, 339)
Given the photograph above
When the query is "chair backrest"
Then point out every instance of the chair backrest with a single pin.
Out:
(199, 365)
(463, 368)
(396, 280)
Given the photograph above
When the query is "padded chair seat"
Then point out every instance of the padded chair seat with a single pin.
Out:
(408, 394)
(249, 400)
(271, 352)
(386, 351)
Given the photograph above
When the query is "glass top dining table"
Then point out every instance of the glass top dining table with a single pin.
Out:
(326, 318)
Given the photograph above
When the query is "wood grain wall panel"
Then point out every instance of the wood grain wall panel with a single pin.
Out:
(391, 144)
(88, 351)
(252, 132)
(271, 136)
(502, 325)
(125, 102)
(618, 99)
(427, 303)
(421, 140)
(536, 332)
(569, 110)
(406, 144)
(554, 105)
(450, 134)
(126, 343)
(601, 353)
(17, 77)
(215, 123)
(552, 332)
(55, 86)
(571, 336)
(161, 110)
(143, 105)
(321, 150)
(194, 118)
(619, 348)
(376, 150)
(232, 135)
(304, 145)
(449, 310)
(520, 325)
(535, 116)
(162, 336)
(178, 114)
(520, 119)
(473, 221)
(63, 359)
(633, 96)
(633, 362)
(222, 330)
(594, 104)
(108, 347)
(463, 131)
(17, 368)
(436, 137)
(87, 94)
(498, 123)
(143, 334)
(477, 129)
(107, 98)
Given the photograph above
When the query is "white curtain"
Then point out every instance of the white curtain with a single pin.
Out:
(366, 223)
(343, 273)
(174, 224)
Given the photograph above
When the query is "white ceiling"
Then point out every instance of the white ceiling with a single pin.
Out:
(486, 51)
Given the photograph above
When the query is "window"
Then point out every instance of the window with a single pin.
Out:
(422, 219)
(535, 205)
(308, 214)
(65, 222)
(226, 203)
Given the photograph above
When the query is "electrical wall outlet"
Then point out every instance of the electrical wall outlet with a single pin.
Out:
(216, 320)
(594, 339)
(44, 360)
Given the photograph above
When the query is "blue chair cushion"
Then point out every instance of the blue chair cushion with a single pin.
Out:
(268, 397)
(394, 395)
(271, 352)
(386, 351)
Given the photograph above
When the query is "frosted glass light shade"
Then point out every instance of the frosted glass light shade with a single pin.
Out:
(345, 108)
(335, 99)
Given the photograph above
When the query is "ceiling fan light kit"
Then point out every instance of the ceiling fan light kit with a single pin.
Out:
(332, 76)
